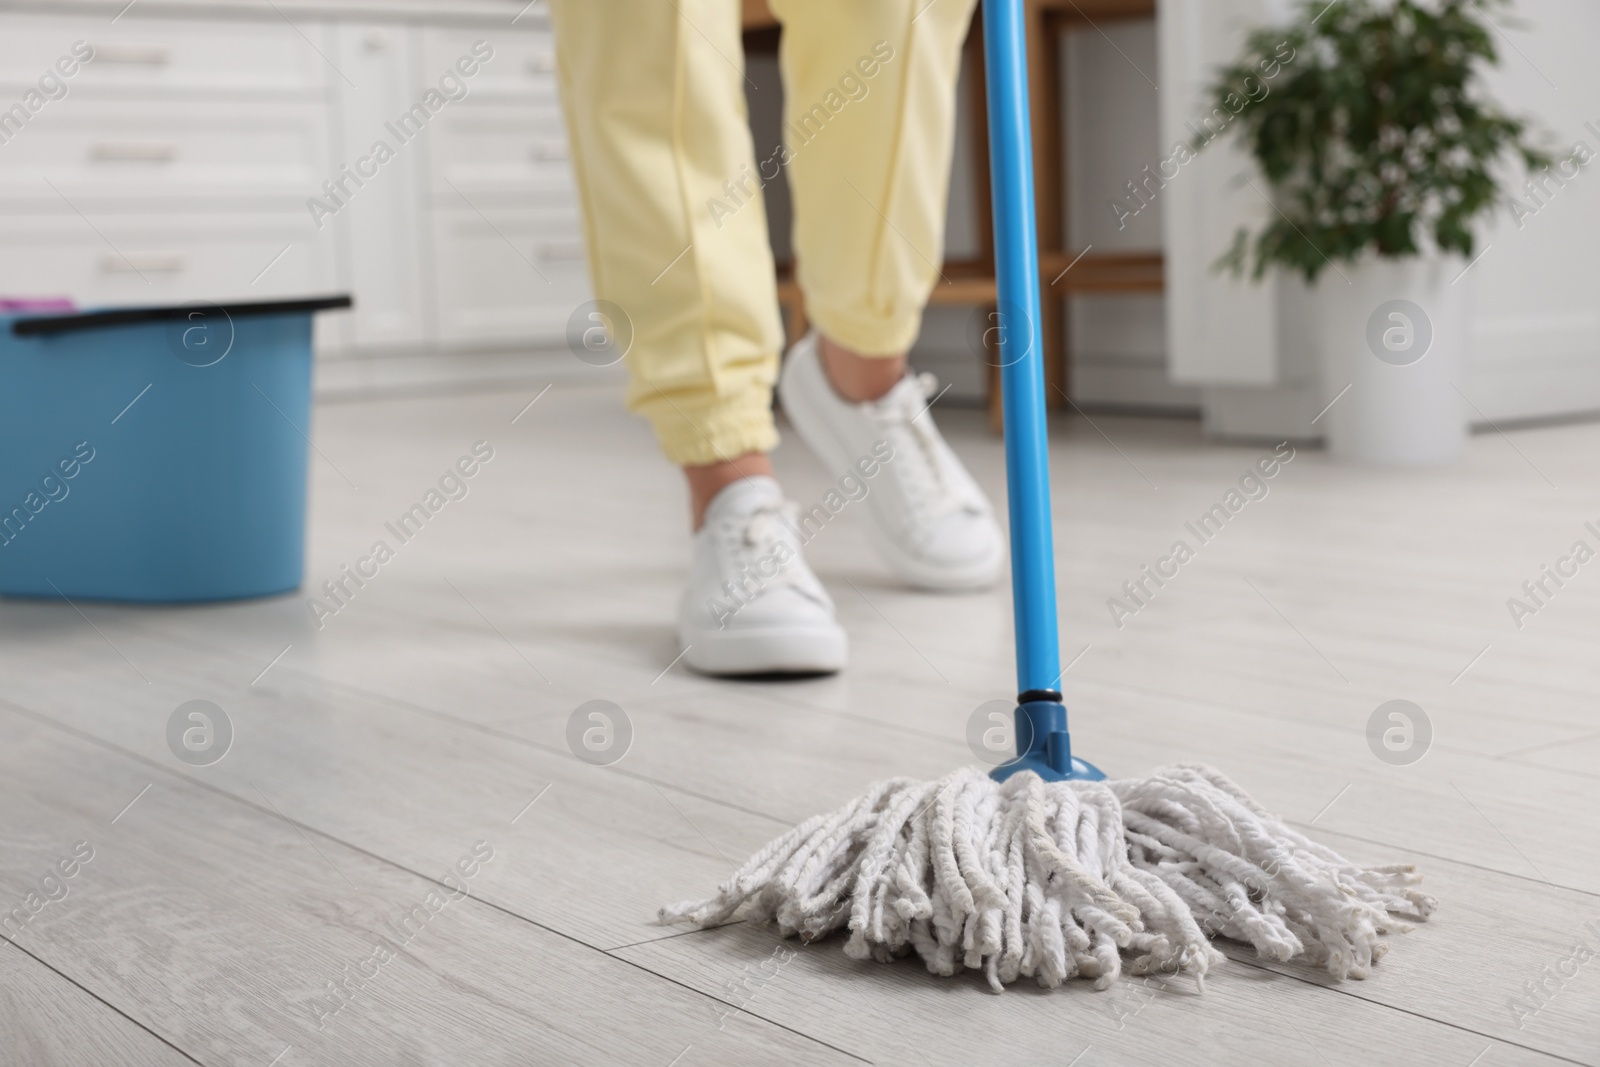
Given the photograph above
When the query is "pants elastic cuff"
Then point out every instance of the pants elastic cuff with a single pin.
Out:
(867, 336)
(695, 438)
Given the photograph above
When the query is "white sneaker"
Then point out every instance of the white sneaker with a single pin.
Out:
(930, 521)
(753, 606)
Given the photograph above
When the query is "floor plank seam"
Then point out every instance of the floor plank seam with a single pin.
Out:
(446, 717)
(1278, 718)
(102, 1000)
(676, 935)
(804, 705)
(1344, 989)
(490, 731)
(882, 724)
(471, 898)
(1303, 825)
(738, 1008)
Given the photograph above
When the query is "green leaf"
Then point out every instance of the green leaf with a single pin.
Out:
(1374, 135)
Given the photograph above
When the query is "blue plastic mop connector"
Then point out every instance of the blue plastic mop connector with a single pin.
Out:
(1042, 728)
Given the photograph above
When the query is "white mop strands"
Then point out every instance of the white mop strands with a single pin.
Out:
(1056, 880)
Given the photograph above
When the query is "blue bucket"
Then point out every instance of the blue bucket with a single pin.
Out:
(155, 454)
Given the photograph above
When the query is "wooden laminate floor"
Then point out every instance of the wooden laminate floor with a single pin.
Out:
(422, 729)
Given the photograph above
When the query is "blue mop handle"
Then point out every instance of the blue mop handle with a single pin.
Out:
(1033, 577)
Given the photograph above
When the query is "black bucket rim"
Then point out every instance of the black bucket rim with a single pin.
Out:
(45, 325)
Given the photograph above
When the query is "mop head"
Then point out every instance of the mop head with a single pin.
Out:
(1059, 880)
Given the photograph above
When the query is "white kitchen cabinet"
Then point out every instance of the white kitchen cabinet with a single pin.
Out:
(379, 232)
(130, 258)
(205, 153)
(226, 150)
(501, 153)
(507, 241)
(504, 274)
(523, 67)
(159, 57)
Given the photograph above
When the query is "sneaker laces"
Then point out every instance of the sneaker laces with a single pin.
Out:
(756, 540)
(933, 487)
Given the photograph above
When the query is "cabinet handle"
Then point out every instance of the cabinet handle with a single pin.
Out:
(133, 54)
(140, 262)
(134, 152)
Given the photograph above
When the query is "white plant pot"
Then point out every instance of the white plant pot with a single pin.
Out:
(1396, 335)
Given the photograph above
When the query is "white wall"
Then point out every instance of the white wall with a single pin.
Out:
(1117, 343)
(1535, 326)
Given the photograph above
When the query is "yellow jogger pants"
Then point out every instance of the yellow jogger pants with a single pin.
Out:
(677, 234)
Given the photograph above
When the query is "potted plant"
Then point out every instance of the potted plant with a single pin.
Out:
(1379, 153)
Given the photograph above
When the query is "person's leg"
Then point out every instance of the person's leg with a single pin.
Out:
(870, 95)
(870, 119)
(654, 99)
(858, 378)
(708, 479)
(677, 236)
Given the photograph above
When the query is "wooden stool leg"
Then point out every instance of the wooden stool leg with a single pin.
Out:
(1052, 312)
(797, 320)
(991, 361)
(792, 307)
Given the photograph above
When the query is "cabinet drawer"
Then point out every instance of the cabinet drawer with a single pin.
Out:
(502, 151)
(523, 66)
(99, 150)
(515, 277)
(148, 259)
(144, 56)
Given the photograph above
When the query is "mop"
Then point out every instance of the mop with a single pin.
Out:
(1043, 869)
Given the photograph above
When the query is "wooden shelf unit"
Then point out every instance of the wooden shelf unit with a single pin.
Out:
(1062, 272)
